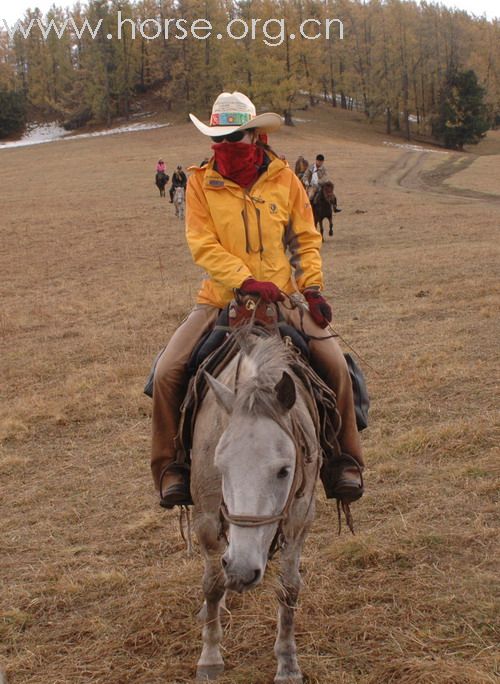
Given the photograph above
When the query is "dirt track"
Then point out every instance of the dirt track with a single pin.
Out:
(411, 172)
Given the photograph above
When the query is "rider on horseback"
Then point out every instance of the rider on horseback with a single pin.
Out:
(314, 179)
(179, 180)
(249, 225)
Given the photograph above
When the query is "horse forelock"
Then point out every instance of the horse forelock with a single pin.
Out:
(261, 368)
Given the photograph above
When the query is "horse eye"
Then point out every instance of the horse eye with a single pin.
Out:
(283, 472)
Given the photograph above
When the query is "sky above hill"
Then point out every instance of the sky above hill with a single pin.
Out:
(11, 10)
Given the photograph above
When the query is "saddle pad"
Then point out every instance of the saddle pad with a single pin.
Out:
(360, 391)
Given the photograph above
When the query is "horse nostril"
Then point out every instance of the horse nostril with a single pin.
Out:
(256, 576)
(223, 562)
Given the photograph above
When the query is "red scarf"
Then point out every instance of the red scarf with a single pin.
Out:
(239, 161)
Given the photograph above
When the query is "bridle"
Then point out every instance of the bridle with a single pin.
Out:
(303, 456)
(296, 491)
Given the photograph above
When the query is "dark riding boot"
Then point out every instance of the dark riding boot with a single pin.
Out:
(348, 485)
(174, 486)
(342, 478)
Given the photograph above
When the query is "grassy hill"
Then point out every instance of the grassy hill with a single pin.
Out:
(96, 585)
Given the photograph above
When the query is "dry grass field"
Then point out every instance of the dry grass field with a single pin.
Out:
(95, 584)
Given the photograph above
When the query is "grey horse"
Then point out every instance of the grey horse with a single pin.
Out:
(255, 463)
(179, 202)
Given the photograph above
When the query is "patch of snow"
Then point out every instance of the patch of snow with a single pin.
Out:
(132, 128)
(414, 148)
(38, 134)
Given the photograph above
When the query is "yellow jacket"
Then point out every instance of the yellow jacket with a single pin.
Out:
(267, 233)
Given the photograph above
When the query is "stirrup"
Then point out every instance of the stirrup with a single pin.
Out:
(177, 494)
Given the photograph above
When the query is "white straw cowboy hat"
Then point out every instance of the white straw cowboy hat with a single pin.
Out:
(236, 112)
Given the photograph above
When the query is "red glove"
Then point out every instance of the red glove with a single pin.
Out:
(267, 291)
(319, 308)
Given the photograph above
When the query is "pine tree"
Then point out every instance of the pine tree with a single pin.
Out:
(12, 112)
(462, 117)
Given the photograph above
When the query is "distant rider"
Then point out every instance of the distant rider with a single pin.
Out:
(179, 180)
(315, 177)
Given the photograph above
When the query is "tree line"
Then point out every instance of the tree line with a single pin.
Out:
(403, 62)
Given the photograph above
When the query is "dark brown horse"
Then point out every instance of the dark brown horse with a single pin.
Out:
(161, 180)
(324, 205)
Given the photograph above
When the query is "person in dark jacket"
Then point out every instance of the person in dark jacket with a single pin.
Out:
(179, 180)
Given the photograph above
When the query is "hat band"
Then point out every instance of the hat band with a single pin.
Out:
(230, 118)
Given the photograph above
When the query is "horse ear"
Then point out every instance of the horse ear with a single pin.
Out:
(223, 395)
(285, 391)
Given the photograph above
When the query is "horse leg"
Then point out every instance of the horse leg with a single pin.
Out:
(285, 649)
(210, 665)
(330, 232)
(321, 230)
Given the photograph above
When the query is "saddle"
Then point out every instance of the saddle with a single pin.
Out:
(237, 313)
(245, 311)
(267, 316)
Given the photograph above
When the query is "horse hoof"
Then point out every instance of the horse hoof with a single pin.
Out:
(330, 233)
(208, 673)
(289, 679)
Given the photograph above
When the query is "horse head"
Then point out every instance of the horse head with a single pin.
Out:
(259, 462)
(328, 189)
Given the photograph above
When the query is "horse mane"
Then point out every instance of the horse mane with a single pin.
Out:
(260, 370)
